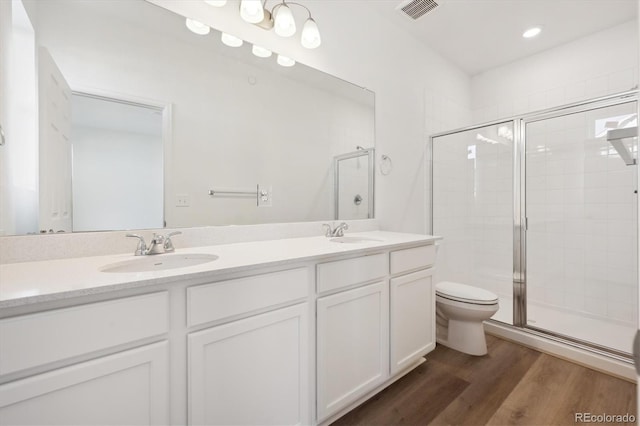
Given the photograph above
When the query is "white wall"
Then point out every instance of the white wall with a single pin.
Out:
(19, 179)
(117, 180)
(603, 63)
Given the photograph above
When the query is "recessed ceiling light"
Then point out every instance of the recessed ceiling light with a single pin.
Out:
(531, 32)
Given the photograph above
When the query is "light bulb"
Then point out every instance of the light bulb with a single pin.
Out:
(531, 32)
(285, 25)
(231, 41)
(197, 27)
(216, 3)
(285, 61)
(251, 11)
(310, 34)
(260, 51)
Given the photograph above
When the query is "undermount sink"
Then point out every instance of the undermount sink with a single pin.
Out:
(354, 240)
(159, 262)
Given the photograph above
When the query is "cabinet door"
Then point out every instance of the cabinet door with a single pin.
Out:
(252, 372)
(353, 346)
(412, 318)
(128, 388)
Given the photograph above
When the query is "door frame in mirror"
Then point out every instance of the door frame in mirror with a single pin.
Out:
(360, 152)
(166, 111)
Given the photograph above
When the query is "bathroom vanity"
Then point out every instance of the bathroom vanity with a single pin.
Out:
(293, 331)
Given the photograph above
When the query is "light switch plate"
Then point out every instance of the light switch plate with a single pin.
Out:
(183, 200)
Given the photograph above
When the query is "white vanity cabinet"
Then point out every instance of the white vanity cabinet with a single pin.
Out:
(276, 340)
(127, 388)
(85, 364)
(412, 306)
(352, 331)
(253, 370)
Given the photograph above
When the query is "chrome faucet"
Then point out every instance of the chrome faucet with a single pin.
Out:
(159, 244)
(337, 232)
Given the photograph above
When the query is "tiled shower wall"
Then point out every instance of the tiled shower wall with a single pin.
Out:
(581, 206)
(473, 207)
(593, 270)
(603, 63)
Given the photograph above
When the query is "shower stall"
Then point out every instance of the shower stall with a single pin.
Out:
(541, 209)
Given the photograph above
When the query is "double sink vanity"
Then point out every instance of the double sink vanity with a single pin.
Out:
(289, 331)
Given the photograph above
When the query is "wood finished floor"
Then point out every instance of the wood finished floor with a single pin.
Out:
(513, 385)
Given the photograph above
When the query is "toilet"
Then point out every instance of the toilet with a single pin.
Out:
(460, 310)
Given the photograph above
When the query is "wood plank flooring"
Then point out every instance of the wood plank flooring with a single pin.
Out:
(513, 385)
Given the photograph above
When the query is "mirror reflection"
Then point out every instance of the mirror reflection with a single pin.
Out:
(140, 119)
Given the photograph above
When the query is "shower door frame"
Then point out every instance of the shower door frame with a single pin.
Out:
(519, 123)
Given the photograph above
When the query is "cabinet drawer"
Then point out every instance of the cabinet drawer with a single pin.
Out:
(213, 302)
(348, 272)
(413, 258)
(37, 339)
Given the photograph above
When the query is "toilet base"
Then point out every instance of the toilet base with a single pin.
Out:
(463, 336)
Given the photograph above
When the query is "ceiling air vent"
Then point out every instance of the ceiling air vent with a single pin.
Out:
(414, 9)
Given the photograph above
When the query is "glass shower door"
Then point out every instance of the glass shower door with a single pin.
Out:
(472, 199)
(581, 278)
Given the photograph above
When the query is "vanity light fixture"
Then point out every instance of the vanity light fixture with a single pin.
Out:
(281, 19)
(216, 3)
(531, 32)
(197, 27)
(231, 41)
(260, 51)
(285, 61)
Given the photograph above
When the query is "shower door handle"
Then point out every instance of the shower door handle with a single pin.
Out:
(636, 352)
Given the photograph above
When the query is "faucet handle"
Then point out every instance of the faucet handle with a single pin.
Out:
(142, 246)
(168, 244)
(344, 226)
(328, 231)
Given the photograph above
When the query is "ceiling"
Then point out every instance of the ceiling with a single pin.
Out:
(478, 35)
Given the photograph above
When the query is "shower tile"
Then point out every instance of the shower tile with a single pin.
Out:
(621, 311)
(621, 178)
(621, 227)
(597, 86)
(596, 211)
(574, 300)
(576, 92)
(595, 195)
(574, 196)
(595, 180)
(555, 96)
(595, 289)
(595, 305)
(619, 212)
(538, 101)
(621, 81)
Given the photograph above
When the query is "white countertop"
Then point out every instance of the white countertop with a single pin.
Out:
(35, 282)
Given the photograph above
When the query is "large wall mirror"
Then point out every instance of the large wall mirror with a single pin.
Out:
(119, 117)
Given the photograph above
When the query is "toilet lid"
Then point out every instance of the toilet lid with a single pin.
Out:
(465, 293)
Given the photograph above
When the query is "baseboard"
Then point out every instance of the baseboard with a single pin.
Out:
(602, 363)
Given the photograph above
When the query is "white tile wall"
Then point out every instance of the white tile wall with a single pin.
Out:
(473, 209)
(597, 65)
(581, 206)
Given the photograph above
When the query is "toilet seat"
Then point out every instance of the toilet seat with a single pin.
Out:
(465, 293)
